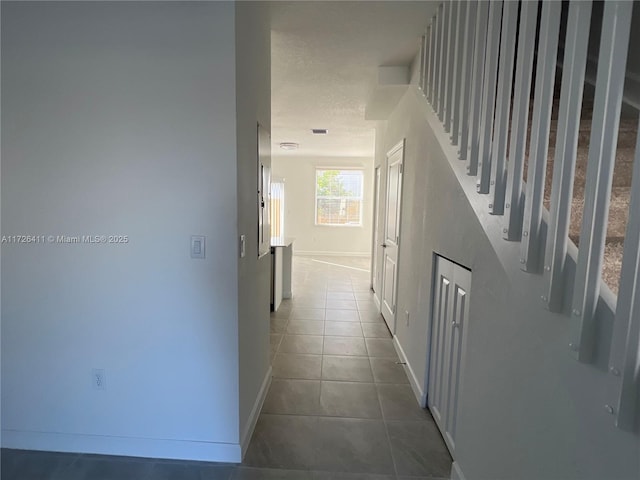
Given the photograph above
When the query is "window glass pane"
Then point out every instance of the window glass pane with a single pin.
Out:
(339, 197)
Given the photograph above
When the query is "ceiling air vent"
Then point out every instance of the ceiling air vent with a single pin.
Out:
(319, 131)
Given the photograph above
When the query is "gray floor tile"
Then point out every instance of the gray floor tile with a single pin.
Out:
(351, 369)
(353, 445)
(345, 287)
(347, 399)
(381, 347)
(106, 468)
(307, 314)
(309, 302)
(301, 344)
(370, 316)
(19, 465)
(341, 296)
(342, 304)
(430, 477)
(283, 441)
(275, 339)
(386, 370)
(282, 312)
(376, 330)
(365, 301)
(418, 449)
(343, 329)
(293, 397)
(364, 294)
(184, 471)
(344, 346)
(351, 476)
(251, 473)
(399, 403)
(278, 325)
(305, 327)
(293, 365)
(335, 315)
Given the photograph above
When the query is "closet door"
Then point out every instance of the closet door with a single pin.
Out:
(450, 316)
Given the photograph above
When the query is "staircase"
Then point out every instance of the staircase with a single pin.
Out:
(621, 188)
(508, 80)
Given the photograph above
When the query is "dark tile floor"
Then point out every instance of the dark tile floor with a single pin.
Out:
(339, 408)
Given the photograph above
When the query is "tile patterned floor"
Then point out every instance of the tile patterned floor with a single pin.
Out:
(339, 408)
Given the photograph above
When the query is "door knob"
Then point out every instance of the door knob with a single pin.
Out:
(384, 245)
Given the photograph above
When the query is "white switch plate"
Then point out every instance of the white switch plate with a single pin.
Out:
(197, 246)
(243, 246)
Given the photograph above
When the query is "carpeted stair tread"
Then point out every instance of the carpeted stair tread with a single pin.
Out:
(612, 265)
(621, 189)
(618, 213)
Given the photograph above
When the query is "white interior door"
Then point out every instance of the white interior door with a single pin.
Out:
(450, 316)
(391, 237)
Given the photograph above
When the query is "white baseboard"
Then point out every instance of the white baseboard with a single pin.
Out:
(123, 446)
(456, 472)
(420, 394)
(255, 411)
(307, 253)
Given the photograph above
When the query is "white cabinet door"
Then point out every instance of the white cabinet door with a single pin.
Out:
(450, 316)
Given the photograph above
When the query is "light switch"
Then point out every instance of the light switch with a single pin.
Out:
(243, 246)
(197, 246)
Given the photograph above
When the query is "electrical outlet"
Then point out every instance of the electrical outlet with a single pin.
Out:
(98, 379)
(406, 313)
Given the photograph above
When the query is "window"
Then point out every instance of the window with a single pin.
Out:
(277, 207)
(339, 197)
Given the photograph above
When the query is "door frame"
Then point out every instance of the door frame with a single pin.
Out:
(398, 146)
(375, 261)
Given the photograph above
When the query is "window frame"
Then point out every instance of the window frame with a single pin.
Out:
(361, 171)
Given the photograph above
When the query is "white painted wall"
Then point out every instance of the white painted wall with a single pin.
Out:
(120, 118)
(527, 409)
(253, 67)
(299, 218)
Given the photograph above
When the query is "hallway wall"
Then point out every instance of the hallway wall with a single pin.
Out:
(253, 77)
(299, 220)
(119, 118)
(527, 410)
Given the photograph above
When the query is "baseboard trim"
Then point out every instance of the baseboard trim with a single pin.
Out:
(421, 396)
(456, 472)
(255, 411)
(308, 253)
(123, 446)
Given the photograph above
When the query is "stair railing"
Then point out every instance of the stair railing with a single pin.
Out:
(472, 76)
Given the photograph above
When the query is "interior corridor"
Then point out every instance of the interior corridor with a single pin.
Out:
(339, 406)
(339, 400)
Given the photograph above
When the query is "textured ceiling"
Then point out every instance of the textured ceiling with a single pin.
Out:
(324, 67)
